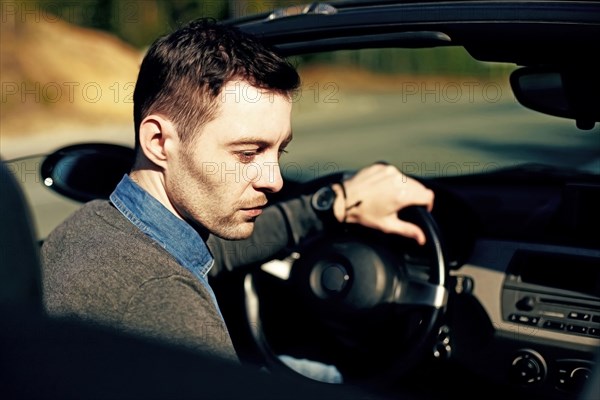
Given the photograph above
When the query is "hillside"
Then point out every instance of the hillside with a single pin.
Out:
(58, 77)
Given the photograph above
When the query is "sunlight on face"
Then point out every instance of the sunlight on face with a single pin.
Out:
(221, 181)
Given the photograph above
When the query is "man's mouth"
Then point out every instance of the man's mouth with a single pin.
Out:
(254, 211)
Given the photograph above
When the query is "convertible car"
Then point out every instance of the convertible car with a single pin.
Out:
(493, 105)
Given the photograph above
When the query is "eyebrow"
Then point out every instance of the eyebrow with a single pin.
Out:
(259, 141)
(288, 139)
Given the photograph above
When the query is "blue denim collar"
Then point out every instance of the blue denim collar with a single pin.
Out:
(175, 235)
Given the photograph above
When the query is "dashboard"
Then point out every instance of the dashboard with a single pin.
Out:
(525, 309)
(542, 337)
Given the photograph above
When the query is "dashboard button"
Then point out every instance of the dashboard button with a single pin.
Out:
(577, 328)
(572, 375)
(528, 367)
(596, 318)
(524, 319)
(594, 332)
(554, 325)
(580, 316)
(527, 303)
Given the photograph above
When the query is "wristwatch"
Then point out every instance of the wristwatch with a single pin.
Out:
(322, 202)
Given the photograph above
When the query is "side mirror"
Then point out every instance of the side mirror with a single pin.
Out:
(88, 171)
(560, 92)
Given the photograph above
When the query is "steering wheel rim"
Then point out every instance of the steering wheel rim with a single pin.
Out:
(402, 291)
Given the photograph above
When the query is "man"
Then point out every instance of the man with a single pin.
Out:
(212, 110)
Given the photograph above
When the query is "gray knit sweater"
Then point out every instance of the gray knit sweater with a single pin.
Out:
(99, 267)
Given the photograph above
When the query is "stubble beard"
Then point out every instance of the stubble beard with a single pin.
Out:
(229, 229)
(208, 212)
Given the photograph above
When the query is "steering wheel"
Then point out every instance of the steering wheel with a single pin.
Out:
(368, 303)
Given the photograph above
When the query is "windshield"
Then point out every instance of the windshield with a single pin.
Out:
(432, 112)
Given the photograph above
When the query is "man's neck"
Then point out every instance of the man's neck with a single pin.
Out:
(152, 181)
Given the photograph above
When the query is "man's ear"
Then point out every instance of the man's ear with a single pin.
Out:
(155, 132)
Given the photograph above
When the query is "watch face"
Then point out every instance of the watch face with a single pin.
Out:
(323, 199)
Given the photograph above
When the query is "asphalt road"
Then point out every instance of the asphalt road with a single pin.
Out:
(436, 138)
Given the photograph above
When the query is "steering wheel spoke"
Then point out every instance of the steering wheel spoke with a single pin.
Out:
(419, 293)
(280, 268)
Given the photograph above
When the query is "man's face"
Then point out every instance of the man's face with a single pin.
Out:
(220, 179)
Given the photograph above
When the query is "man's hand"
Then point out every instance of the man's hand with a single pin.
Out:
(375, 195)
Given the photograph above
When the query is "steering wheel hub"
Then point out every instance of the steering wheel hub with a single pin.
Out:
(333, 279)
(345, 275)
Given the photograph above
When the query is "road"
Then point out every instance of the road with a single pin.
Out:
(426, 137)
(436, 138)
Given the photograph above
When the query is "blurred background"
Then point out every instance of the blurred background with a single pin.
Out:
(68, 70)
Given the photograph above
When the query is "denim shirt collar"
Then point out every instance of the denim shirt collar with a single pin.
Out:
(174, 234)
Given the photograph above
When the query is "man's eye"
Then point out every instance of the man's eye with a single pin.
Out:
(247, 156)
(281, 151)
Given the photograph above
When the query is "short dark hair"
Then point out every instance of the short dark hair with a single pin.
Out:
(183, 73)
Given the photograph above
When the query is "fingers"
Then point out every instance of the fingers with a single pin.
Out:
(401, 189)
(404, 228)
(419, 196)
(382, 190)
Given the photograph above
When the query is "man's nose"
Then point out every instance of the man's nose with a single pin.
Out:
(269, 178)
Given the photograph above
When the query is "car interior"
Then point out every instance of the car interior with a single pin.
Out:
(502, 301)
(50, 358)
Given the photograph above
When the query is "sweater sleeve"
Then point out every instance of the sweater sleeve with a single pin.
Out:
(281, 228)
